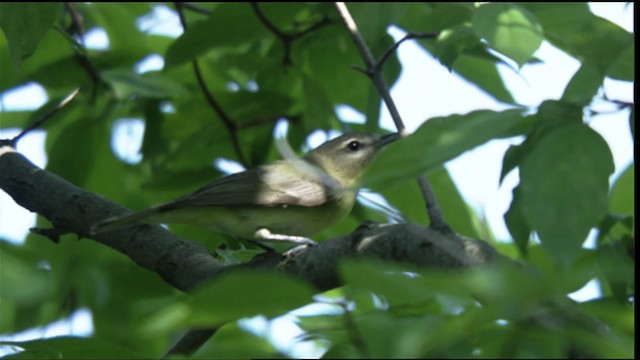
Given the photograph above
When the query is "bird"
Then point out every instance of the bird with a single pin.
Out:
(284, 200)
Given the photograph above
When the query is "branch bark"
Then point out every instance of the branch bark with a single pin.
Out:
(184, 264)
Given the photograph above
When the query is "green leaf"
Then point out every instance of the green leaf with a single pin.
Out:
(236, 295)
(517, 224)
(511, 160)
(248, 293)
(14, 119)
(509, 29)
(434, 17)
(335, 73)
(572, 27)
(65, 159)
(584, 85)
(318, 110)
(622, 198)
(483, 73)
(67, 347)
(387, 280)
(235, 342)
(618, 269)
(24, 24)
(127, 44)
(551, 115)
(126, 83)
(20, 279)
(230, 25)
(623, 67)
(622, 202)
(439, 140)
(54, 66)
(451, 43)
(564, 188)
(410, 203)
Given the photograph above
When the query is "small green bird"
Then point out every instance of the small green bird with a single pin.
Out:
(285, 200)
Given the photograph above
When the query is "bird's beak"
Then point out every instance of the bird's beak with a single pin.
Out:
(387, 139)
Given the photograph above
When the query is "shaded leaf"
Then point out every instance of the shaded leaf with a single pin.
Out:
(564, 188)
(434, 17)
(126, 83)
(517, 224)
(623, 68)
(572, 27)
(230, 25)
(67, 347)
(231, 297)
(24, 24)
(584, 85)
(622, 198)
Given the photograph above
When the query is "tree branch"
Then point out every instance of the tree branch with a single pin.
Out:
(374, 72)
(184, 264)
(36, 124)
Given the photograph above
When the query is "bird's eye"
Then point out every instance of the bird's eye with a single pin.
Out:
(354, 145)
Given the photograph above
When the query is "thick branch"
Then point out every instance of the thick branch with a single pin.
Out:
(184, 264)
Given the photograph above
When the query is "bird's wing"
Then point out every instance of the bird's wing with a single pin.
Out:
(275, 184)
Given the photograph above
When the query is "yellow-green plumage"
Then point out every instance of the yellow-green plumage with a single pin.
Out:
(295, 197)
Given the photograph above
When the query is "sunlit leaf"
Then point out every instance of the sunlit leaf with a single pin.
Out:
(441, 139)
(509, 29)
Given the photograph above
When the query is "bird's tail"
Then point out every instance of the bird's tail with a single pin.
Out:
(118, 222)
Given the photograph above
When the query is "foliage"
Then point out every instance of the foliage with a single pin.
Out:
(302, 71)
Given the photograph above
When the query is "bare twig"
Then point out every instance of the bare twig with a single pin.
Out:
(231, 126)
(195, 8)
(77, 28)
(36, 124)
(374, 72)
(77, 23)
(410, 36)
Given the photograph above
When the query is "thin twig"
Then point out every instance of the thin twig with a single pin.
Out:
(287, 38)
(77, 28)
(36, 124)
(374, 72)
(195, 8)
(410, 36)
(231, 126)
(77, 23)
